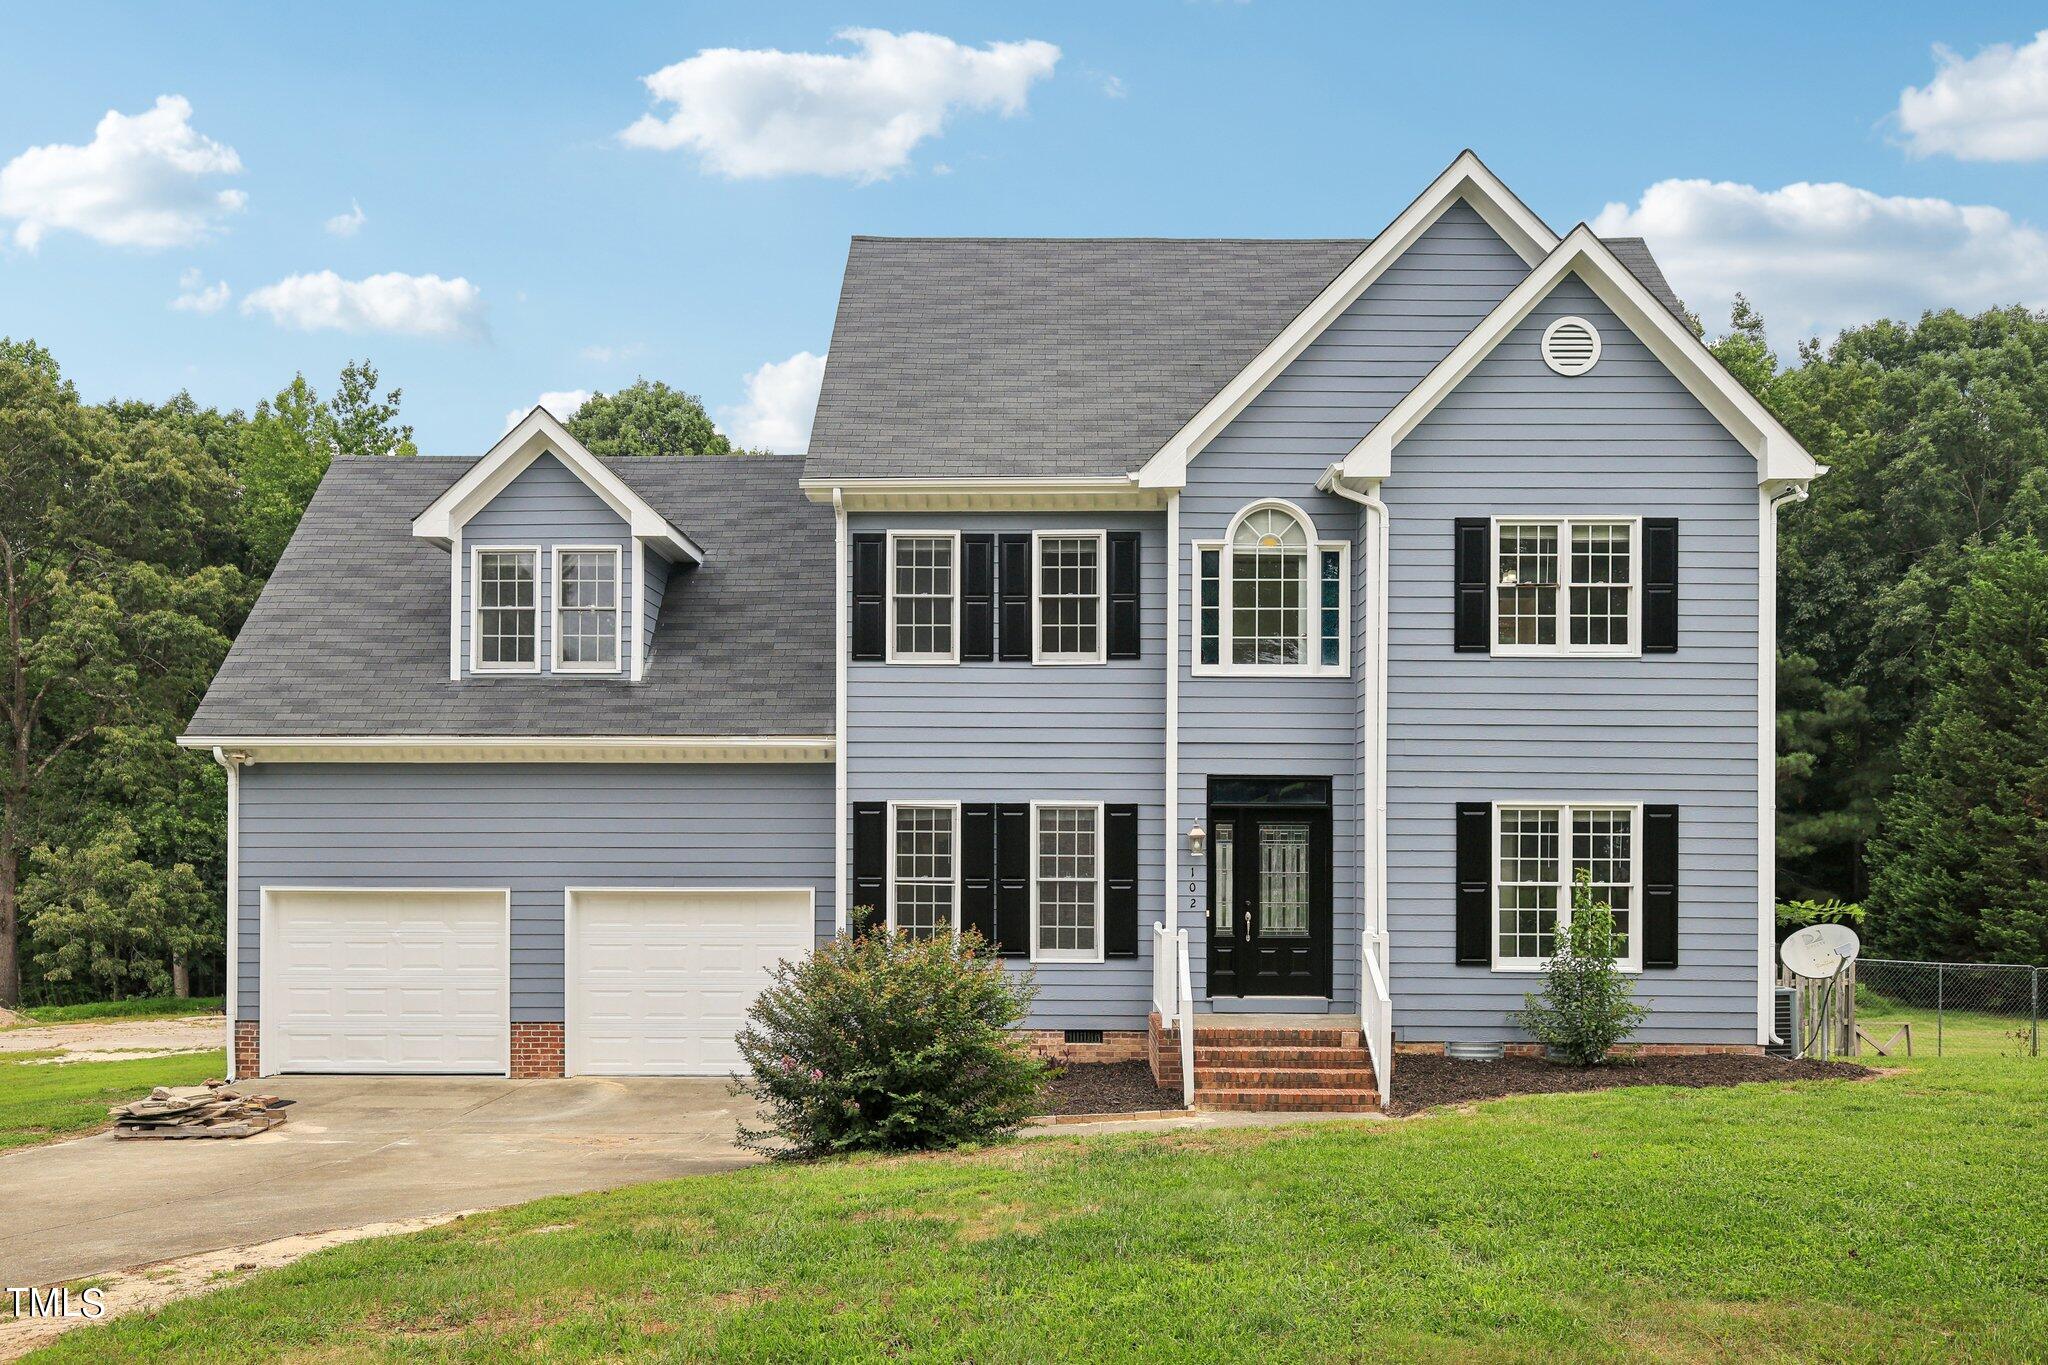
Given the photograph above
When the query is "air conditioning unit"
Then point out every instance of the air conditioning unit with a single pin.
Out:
(1785, 1023)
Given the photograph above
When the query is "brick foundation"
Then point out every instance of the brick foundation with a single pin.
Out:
(248, 1048)
(1117, 1045)
(1625, 1050)
(1162, 1050)
(536, 1052)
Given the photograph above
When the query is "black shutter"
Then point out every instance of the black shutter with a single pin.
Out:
(1474, 578)
(870, 611)
(977, 598)
(1013, 628)
(1123, 595)
(1660, 886)
(978, 871)
(1475, 884)
(870, 908)
(1119, 881)
(1660, 585)
(1013, 881)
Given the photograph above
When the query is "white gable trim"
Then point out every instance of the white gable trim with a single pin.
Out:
(537, 434)
(519, 748)
(1778, 454)
(1468, 180)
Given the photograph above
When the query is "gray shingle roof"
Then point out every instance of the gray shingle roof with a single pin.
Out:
(981, 356)
(350, 636)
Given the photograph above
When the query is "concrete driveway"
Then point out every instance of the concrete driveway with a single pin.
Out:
(356, 1150)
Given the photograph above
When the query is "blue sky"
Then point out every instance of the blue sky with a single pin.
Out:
(520, 242)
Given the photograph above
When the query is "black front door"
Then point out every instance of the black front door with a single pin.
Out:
(1269, 887)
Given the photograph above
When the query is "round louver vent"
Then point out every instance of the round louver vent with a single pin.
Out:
(1570, 346)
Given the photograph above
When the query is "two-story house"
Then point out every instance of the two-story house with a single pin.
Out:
(1252, 636)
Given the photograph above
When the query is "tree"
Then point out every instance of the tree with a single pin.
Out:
(1961, 861)
(647, 417)
(108, 606)
(1827, 801)
(1587, 1004)
(99, 913)
(360, 423)
(284, 452)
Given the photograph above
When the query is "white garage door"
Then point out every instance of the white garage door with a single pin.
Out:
(660, 981)
(383, 981)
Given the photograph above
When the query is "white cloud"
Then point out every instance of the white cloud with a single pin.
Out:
(1990, 107)
(782, 397)
(195, 295)
(142, 181)
(1815, 258)
(562, 404)
(753, 114)
(412, 305)
(1112, 86)
(350, 223)
(605, 355)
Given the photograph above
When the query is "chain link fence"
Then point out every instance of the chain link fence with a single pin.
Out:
(1942, 1009)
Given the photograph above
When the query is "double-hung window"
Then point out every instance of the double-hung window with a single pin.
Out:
(1271, 598)
(1566, 585)
(1540, 851)
(504, 626)
(1066, 883)
(924, 868)
(1068, 605)
(924, 597)
(586, 609)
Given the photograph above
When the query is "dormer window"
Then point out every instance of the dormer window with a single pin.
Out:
(586, 623)
(505, 625)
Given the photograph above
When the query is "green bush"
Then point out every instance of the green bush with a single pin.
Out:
(889, 1043)
(1587, 1005)
(1796, 915)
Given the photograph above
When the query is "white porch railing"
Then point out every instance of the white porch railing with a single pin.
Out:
(1173, 995)
(1378, 1016)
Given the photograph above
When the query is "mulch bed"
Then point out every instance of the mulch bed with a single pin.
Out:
(1423, 1082)
(1107, 1088)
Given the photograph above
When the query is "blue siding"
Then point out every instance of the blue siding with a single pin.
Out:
(1625, 439)
(1025, 732)
(536, 828)
(1278, 447)
(547, 505)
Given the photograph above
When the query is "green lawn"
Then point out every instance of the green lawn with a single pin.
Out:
(1962, 1033)
(157, 1007)
(39, 1103)
(1895, 1219)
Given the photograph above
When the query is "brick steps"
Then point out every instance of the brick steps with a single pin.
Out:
(1308, 1036)
(1284, 1070)
(1280, 1078)
(1291, 1101)
(1317, 1058)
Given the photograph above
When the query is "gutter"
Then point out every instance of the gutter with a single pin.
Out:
(1372, 795)
(842, 613)
(233, 762)
(1767, 750)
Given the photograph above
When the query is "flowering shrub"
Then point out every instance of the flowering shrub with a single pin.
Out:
(889, 1043)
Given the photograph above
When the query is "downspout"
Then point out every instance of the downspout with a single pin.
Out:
(1767, 753)
(233, 762)
(1373, 762)
(1172, 805)
(841, 614)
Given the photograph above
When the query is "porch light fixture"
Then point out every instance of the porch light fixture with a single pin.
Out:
(1197, 837)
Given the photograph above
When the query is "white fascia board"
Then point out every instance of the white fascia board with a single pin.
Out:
(986, 493)
(1778, 454)
(537, 433)
(1465, 179)
(519, 749)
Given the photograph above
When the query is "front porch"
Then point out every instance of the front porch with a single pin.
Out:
(1266, 1062)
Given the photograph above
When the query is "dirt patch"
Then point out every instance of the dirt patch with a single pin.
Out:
(1424, 1082)
(151, 1286)
(1107, 1088)
(196, 1033)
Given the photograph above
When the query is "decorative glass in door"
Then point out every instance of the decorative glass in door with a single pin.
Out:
(1284, 891)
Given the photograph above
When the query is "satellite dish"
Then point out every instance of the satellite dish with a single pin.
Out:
(1819, 950)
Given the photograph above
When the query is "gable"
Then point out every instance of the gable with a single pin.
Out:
(546, 502)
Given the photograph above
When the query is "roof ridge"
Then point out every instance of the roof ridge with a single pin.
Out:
(1195, 241)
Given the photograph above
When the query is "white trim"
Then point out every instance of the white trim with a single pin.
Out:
(889, 654)
(1113, 492)
(841, 632)
(537, 434)
(455, 617)
(536, 749)
(572, 992)
(476, 598)
(1769, 499)
(232, 763)
(638, 626)
(1069, 955)
(1312, 665)
(1573, 369)
(1778, 454)
(1466, 179)
(1372, 683)
(1564, 648)
(1173, 667)
(270, 1047)
(618, 610)
(1565, 810)
(1101, 652)
(889, 882)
